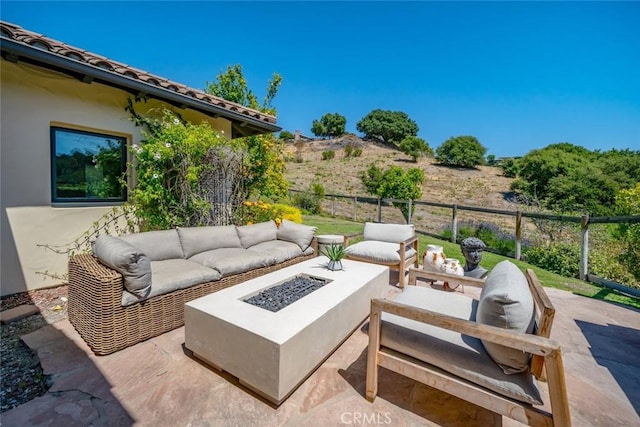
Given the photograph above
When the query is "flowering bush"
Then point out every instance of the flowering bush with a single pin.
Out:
(178, 174)
(255, 212)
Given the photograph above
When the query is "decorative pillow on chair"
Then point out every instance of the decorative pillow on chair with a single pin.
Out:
(506, 302)
(300, 234)
(127, 260)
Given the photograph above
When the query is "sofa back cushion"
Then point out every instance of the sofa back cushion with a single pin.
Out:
(157, 245)
(257, 233)
(392, 233)
(506, 302)
(126, 259)
(300, 234)
(195, 240)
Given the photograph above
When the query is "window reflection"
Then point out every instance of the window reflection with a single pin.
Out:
(87, 166)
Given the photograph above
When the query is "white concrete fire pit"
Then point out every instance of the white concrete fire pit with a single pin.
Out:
(273, 352)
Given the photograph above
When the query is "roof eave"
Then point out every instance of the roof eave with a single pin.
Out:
(242, 125)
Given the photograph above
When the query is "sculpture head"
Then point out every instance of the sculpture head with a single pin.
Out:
(472, 248)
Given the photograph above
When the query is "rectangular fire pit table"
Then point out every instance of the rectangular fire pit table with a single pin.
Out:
(274, 352)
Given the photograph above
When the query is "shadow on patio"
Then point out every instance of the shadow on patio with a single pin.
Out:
(611, 345)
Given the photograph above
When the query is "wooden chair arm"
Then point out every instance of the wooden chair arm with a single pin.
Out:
(524, 342)
(418, 273)
(350, 236)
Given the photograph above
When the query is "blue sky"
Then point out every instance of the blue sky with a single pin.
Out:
(516, 75)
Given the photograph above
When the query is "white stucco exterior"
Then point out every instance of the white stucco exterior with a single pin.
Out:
(32, 99)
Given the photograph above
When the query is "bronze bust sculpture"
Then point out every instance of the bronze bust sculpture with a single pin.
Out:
(472, 248)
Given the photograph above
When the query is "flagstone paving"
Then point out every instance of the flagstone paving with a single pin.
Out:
(158, 382)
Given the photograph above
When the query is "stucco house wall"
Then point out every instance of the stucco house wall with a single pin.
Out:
(32, 100)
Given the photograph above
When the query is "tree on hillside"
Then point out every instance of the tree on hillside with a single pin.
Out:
(571, 178)
(265, 153)
(415, 147)
(463, 151)
(387, 126)
(394, 183)
(329, 125)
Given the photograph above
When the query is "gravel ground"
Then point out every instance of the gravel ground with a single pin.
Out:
(22, 378)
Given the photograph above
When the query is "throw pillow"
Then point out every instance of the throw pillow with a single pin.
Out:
(506, 302)
(300, 234)
(127, 260)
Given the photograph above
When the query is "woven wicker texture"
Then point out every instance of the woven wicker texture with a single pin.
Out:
(95, 309)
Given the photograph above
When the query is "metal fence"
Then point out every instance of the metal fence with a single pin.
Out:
(433, 218)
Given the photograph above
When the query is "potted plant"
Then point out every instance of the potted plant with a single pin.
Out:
(335, 253)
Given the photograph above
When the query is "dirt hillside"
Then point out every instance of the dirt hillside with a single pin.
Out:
(484, 186)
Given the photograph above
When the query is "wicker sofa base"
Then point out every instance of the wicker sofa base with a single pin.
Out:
(95, 310)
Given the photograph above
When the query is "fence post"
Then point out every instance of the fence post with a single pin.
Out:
(333, 205)
(518, 233)
(355, 208)
(584, 247)
(379, 209)
(454, 224)
(409, 219)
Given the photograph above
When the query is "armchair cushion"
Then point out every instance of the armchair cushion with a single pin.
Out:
(506, 302)
(127, 260)
(379, 252)
(458, 354)
(300, 234)
(392, 233)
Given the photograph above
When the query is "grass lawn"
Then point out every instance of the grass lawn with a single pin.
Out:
(328, 225)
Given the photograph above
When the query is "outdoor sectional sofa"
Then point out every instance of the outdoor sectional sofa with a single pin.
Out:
(134, 287)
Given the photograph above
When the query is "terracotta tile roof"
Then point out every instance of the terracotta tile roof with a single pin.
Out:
(24, 45)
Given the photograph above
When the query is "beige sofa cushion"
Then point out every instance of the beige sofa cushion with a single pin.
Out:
(195, 240)
(127, 260)
(453, 352)
(300, 234)
(392, 233)
(173, 274)
(506, 302)
(157, 245)
(230, 261)
(282, 251)
(253, 234)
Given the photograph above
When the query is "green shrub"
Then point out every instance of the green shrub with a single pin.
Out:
(561, 258)
(328, 155)
(357, 152)
(308, 202)
(348, 150)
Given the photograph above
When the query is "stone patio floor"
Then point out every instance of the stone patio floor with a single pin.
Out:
(158, 383)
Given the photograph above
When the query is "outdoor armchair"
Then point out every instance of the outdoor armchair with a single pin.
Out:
(459, 345)
(393, 245)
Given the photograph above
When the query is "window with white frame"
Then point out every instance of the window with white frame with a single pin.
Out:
(87, 166)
